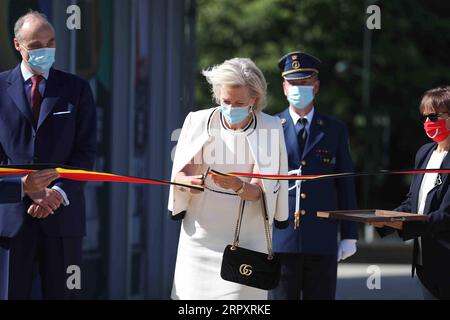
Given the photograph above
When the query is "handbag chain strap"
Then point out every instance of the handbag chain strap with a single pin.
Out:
(266, 225)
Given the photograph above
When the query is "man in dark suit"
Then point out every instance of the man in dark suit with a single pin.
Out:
(46, 116)
(13, 190)
(316, 144)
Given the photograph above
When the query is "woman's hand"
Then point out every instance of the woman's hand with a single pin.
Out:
(378, 224)
(227, 182)
(196, 180)
(251, 191)
(395, 225)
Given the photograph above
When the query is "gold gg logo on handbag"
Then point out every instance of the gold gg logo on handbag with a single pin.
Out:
(245, 269)
(248, 267)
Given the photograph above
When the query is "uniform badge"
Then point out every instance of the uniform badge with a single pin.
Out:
(325, 156)
(283, 120)
(320, 122)
(296, 65)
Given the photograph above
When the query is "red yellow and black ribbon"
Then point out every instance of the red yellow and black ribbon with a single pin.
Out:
(306, 177)
(78, 174)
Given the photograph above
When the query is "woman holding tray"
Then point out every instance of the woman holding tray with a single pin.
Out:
(429, 195)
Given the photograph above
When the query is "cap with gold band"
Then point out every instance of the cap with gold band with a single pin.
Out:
(298, 65)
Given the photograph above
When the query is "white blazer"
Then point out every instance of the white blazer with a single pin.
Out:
(196, 132)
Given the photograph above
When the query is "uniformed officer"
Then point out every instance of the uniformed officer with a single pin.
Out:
(316, 144)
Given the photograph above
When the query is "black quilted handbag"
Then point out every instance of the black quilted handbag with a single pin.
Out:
(248, 267)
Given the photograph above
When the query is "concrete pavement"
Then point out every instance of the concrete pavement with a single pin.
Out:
(395, 282)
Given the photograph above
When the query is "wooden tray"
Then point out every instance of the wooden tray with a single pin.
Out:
(370, 216)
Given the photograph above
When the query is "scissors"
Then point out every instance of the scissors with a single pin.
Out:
(204, 175)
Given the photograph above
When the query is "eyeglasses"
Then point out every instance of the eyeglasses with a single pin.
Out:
(433, 117)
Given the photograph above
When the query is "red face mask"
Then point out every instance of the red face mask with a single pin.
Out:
(437, 131)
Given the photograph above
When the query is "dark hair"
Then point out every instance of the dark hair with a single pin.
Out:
(437, 99)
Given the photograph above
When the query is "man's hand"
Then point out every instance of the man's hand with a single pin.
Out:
(39, 212)
(45, 203)
(37, 181)
(347, 248)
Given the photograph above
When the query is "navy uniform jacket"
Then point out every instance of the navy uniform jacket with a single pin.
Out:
(66, 134)
(326, 151)
(435, 234)
(10, 190)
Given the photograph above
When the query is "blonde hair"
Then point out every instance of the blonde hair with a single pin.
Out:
(238, 72)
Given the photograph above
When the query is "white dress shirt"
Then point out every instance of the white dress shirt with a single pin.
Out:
(429, 179)
(295, 117)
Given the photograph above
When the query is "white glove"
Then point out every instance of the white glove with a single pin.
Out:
(347, 248)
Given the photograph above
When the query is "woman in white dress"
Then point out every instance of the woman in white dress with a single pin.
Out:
(233, 137)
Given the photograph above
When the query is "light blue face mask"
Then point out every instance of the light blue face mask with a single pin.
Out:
(41, 60)
(234, 115)
(300, 96)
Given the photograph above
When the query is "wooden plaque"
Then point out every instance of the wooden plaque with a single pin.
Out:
(370, 216)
